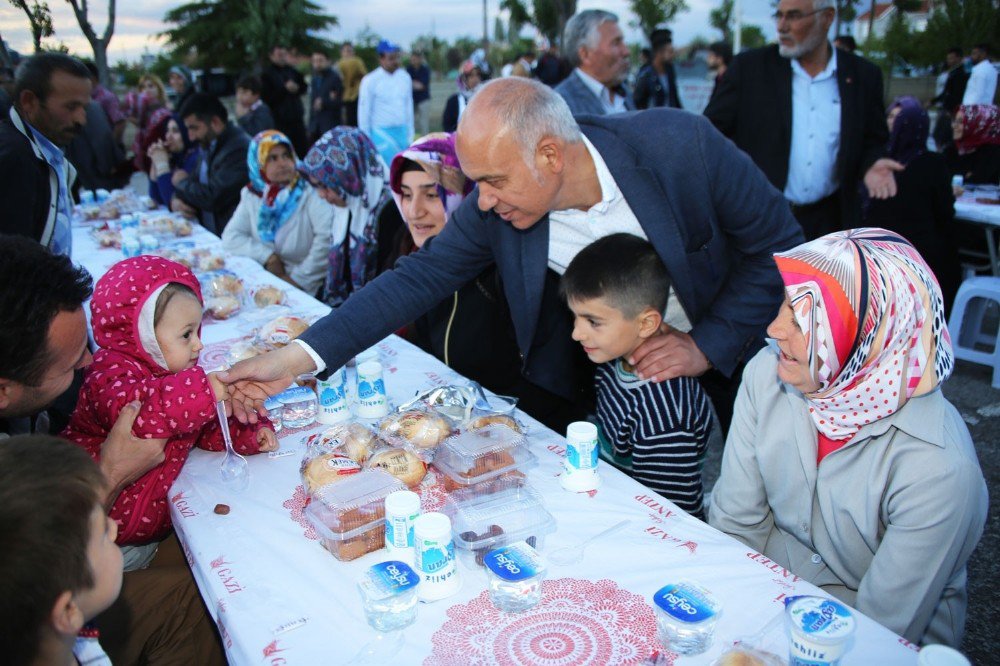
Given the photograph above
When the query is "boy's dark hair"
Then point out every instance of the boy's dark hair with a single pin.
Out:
(723, 50)
(250, 82)
(984, 47)
(49, 489)
(172, 289)
(35, 73)
(35, 286)
(848, 42)
(622, 269)
(204, 107)
(956, 50)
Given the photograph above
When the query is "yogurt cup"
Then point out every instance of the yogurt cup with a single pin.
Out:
(820, 631)
(388, 592)
(515, 574)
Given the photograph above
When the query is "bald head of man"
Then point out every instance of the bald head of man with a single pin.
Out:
(518, 140)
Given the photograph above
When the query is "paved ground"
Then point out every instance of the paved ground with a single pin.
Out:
(970, 391)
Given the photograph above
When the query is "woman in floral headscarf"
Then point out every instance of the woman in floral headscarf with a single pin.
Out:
(845, 464)
(345, 168)
(975, 153)
(280, 221)
(470, 331)
(923, 210)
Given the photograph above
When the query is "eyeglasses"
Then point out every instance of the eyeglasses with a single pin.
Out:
(794, 16)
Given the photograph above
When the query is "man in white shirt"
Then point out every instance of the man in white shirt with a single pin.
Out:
(982, 85)
(595, 47)
(385, 103)
(547, 186)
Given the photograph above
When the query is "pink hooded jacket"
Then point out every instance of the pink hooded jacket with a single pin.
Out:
(129, 367)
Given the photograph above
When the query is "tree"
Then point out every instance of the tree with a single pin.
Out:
(721, 18)
(550, 17)
(237, 34)
(98, 44)
(651, 13)
(959, 23)
(752, 36)
(518, 15)
(846, 13)
(39, 19)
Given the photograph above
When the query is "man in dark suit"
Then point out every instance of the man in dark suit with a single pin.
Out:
(710, 214)
(282, 90)
(656, 85)
(326, 91)
(595, 48)
(214, 190)
(811, 117)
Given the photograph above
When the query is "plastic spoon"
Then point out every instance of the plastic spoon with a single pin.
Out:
(235, 470)
(572, 554)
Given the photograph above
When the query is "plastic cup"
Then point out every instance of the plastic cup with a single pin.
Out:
(819, 631)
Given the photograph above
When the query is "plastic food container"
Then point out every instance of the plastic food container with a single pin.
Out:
(419, 430)
(515, 577)
(482, 522)
(388, 592)
(820, 630)
(349, 516)
(686, 614)
(298, 407)
(473, 457)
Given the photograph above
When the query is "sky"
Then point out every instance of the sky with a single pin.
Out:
(138, 21)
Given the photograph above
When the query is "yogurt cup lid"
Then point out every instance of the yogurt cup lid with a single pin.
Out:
(388, 579)
(515, 562)
(687, 602)
(819, 618)
(297, 394)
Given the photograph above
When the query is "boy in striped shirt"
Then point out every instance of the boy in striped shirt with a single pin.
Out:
(617, 288)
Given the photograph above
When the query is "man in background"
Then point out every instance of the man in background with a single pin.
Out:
(352, 70)
(982, 85)
(326, 91)
(420, 74)
(282, 87)
(595, 47)
(656, 86)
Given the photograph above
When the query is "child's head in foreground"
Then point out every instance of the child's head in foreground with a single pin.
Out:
(59, 565)
(617, 288)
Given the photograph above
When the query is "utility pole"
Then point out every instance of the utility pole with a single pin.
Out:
(486, 34)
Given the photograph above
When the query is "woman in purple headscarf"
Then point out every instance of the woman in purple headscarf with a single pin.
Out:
(923, 209)
(471, 330)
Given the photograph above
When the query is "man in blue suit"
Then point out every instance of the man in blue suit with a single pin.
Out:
(595, 46)
(548, 185)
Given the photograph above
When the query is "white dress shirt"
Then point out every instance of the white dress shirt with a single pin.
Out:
(572, 230)
(611, 104)
(385, 100)
(812, 161)
(982, 85)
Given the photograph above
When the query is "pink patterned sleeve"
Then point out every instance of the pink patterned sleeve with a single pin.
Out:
(244, 436)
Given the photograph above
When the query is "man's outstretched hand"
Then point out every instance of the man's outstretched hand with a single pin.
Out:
(254, 380)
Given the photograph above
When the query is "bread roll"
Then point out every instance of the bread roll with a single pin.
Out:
(222, 307)
(353, 439)
(264, 296)
(400, 463)
(417, 428)
(281, 330)
(499, 419)
(326, 469)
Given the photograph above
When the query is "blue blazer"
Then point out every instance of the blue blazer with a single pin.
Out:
(709, 212)
(582, 100)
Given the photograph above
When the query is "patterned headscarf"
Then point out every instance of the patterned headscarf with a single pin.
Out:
(873, 317)
(908, 139)
(980, 127)
(435, 153)
(346, 161)
(278, 201)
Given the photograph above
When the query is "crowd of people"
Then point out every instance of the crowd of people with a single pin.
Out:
(574, 238)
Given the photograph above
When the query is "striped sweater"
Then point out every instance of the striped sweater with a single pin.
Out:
(657, 431)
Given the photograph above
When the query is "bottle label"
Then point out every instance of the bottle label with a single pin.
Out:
(399, 531)
(581, 456)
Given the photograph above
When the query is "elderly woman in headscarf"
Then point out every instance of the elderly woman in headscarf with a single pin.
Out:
(281, 221)
(470, 77)
(171, 150)
(845, 464)
(345, 168)
(471, 330)
(975, 152)
(923, 210)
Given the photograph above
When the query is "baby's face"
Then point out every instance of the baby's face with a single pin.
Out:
(177, 332)
(604, 331)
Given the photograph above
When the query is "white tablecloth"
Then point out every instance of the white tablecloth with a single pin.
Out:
(280, 598)
(967, 209)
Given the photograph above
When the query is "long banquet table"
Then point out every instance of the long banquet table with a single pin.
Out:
(985, 215)
(279, 598)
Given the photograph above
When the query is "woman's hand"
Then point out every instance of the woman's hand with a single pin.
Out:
(275, 266)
